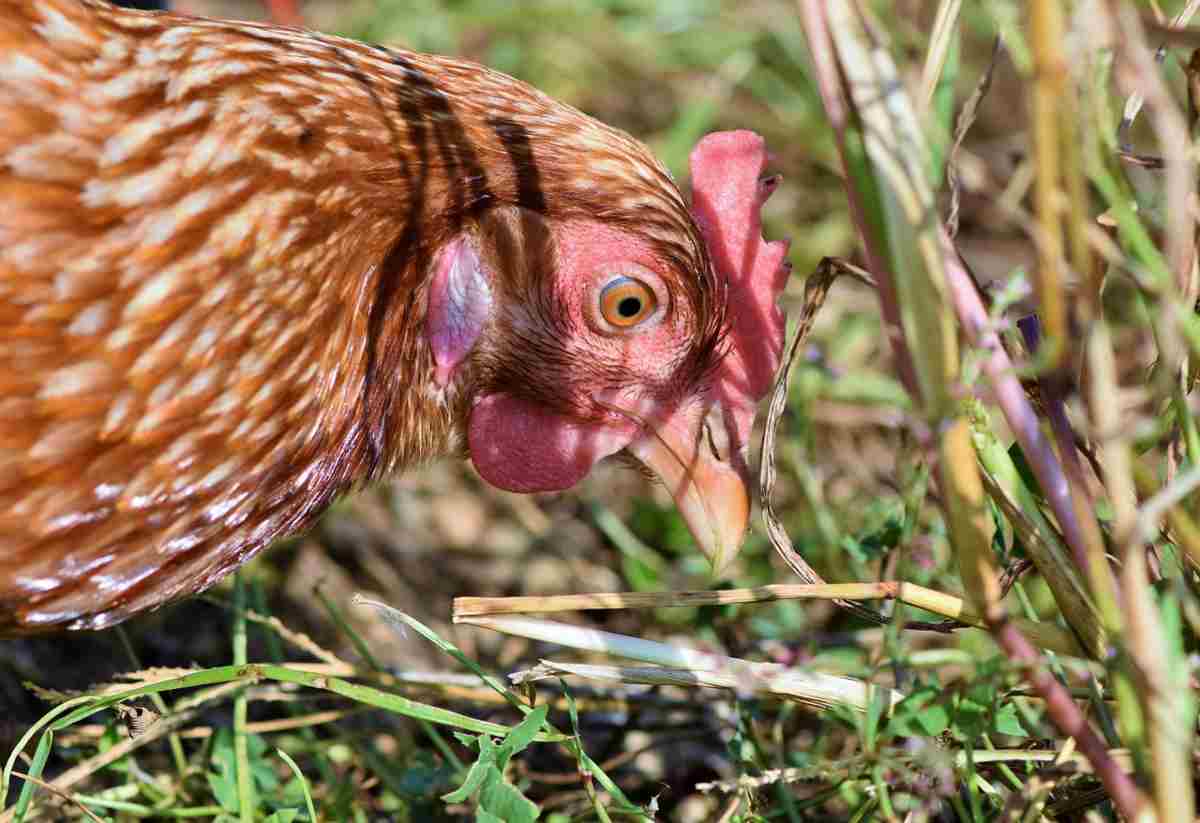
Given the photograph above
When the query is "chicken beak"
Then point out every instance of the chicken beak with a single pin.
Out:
(711, 493)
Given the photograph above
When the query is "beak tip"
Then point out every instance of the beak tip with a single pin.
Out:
(721, 561)
(725, 535)
(712, 495)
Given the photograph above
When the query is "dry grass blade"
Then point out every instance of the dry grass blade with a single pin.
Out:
(816, 691)
(811, 688)
(121, 684)
(816, 288)
(465, 607)
(1050, 128)
(298, 639)
(944, 28)
(1045, 635)
(1061, 760)
(966, 118)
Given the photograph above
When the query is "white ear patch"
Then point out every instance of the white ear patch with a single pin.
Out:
(460, 299)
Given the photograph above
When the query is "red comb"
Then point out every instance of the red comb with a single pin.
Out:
(727, 193)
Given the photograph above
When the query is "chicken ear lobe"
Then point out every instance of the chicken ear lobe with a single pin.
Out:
(460, 300)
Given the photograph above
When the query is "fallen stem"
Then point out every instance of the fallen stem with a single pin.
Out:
(1047, 635)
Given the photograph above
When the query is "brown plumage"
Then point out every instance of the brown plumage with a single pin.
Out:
(244, 269)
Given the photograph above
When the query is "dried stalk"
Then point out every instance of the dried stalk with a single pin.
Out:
(1051, 85)
(1046, 635)
(810, 688)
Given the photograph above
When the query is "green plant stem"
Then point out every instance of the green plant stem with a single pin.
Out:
(241, 746)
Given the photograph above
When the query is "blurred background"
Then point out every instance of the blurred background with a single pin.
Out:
(667, 71)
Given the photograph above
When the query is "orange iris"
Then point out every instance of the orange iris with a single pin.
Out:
(625, 302)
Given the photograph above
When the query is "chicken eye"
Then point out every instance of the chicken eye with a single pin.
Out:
(625, 302)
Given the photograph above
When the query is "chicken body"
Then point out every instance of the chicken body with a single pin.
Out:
(244, 269)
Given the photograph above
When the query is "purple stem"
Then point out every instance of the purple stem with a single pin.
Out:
(1010, 396)
(1051, 386)
(1070, 720)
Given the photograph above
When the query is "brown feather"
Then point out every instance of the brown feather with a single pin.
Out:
(214, 245)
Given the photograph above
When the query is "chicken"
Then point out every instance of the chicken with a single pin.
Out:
(245, 269)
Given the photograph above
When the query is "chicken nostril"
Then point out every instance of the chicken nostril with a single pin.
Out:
(717, 434)
(767, 186)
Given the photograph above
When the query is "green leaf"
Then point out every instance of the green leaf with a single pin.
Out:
(507, 803)
(521, 736)
(1008, 721)
(1024, 469)
(921, 713)
(283, 816)
(482, 769)
(423, 776)
(223, 781)
(224, 790)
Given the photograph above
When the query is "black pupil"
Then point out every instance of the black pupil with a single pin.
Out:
(629, 307)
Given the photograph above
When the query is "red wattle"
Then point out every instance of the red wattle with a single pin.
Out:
(522, 446)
